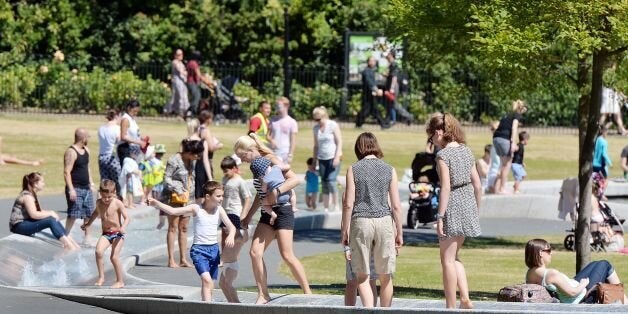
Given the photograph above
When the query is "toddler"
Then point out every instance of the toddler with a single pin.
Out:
(518, 166)
(130, 179)
(311, 184)
(270, 178)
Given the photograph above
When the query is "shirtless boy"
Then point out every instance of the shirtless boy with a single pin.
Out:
(112, 212)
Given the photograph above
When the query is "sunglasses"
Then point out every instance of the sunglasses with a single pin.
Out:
(547, 250)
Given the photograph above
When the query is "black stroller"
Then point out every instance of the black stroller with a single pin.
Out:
(599, 238)
(224, 103)
(424, 189)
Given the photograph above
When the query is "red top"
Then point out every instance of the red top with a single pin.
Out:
(191, 67)
(254, 124)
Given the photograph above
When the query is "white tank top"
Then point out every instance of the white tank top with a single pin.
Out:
(134, 130)
(206, 226)
(108, 138)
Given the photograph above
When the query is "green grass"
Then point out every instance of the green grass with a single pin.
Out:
(548, 156)
(491, 263)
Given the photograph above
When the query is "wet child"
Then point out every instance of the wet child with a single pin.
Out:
(114, 220)
(311, 184)
(204, 251)
(518, 166)
(130, 179)
(159, 169)
(237, 197)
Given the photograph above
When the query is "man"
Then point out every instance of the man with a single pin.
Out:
(283, 131)
(78, 181)
(392, 88)
(258, 123)
(193, 80)
(369, 92)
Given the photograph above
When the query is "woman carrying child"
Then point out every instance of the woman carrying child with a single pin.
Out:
(248, 148)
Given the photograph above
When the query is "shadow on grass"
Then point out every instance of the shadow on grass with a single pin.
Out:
(476, 243)
(400, 292)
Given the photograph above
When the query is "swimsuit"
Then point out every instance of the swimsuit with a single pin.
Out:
(113, 235)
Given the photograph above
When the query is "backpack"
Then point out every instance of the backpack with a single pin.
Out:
(526, 293)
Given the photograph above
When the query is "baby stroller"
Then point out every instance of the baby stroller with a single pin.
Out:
(601, 232)
(225, 104)
(424, 190)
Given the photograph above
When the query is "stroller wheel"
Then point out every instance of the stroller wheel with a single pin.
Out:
(413, 219)
(570, 242)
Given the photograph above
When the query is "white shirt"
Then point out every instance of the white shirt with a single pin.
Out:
(133, 131)
(108, 135)
(326, 140)
(206, 226)
(281, 130)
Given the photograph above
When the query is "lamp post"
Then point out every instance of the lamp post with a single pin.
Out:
(286, 53)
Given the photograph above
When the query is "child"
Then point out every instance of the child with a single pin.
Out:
(237, 197)
(493, 179)
(518, 166)
(204, 251)
(483, 164)
(129, 179)
(159, 169)
(112, 213)
(270, 178)
(146, 167)
(311, 184)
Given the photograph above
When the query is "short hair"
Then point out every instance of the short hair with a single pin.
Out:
(523, 135)
(211, 186)
(111, 114)
(602, 129)
(366, 144)
(133, 103)
(487, 148)
(228, 163)
(310, 161)
(452, 131)
(533, 252)
(284, 100)
(195, 55)
(320, 112)
(519, 106)
(204, 116)
(262, 103)
(108, 186)
(192, 146)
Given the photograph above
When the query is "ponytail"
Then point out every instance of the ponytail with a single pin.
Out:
(28, 183)
(261, 147)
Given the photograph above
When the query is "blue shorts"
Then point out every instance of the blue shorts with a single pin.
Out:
(206, 258)
(518, 172)
(83, 206)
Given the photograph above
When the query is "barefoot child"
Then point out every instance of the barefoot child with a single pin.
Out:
(518, 166)
(311, 184)
(237, 197)
(271, 178)
(111, 212)
(130, 178)
(204, 251)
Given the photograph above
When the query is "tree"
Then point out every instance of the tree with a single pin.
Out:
(522, 44)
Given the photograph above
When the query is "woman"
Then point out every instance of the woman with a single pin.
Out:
(108, 136)
(505, 141)
(538, 256)
(204, 168)
(369, 226)
(178, 103)
(459, 200)
(130, 131)
(327, 153)
(28, 218)
(179, 179)
(247, 148)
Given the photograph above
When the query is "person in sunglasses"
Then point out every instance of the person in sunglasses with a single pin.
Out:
(538, 256)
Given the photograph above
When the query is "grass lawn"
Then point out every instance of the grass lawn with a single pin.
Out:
(490, 264)
(548, 156)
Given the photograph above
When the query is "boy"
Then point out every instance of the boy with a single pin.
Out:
(518, 166)
(130, 177)
(483, 164)
(112, 212)
(237, 197)
(311, 184)
(204, 251)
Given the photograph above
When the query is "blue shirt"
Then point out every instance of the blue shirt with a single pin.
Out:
(600, 154)
(311, 182)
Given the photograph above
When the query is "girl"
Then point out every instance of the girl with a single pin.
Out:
(460, 194)
(204, 251)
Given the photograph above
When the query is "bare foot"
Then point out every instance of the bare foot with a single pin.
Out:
(118, 285)
(172, 264)
(467, 305)
(185, 264)
(262, 299)
(99, 282)
(160, 225)
(37, 163)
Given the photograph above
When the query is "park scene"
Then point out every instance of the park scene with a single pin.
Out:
(313, 156)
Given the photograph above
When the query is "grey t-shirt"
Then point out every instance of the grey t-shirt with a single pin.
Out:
(236, 192)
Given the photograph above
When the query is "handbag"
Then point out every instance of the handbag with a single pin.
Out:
(181, 199)
(527, 293)
(608, 293)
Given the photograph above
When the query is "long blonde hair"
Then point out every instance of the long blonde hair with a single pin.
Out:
(251, 142)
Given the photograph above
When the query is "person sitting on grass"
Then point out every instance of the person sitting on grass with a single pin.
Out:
(204, 251)
(8, 159)
(114, 221)
(538, 256)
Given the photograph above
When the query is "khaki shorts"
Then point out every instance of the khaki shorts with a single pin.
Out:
(376, 235)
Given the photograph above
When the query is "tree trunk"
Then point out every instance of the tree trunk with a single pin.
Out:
(589, 115)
